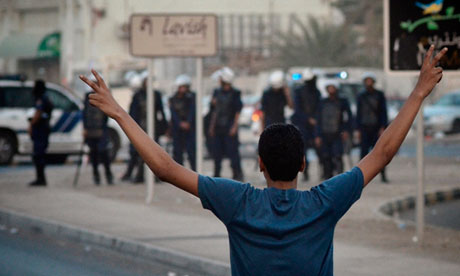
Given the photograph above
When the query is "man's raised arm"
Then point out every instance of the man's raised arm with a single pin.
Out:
(390, 141)
(154, 156)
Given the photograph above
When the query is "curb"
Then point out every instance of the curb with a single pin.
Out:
(184, 261)
(403, 204)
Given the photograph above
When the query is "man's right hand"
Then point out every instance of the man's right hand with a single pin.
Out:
(318, 142)
(211, 132)
(233, 130)
(185, 125)
(358, 135)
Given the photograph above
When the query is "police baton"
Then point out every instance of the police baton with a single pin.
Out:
(80, 160)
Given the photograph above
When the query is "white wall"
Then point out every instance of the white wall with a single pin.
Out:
(106, 51)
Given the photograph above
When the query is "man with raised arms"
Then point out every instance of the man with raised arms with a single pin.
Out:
(278, 230)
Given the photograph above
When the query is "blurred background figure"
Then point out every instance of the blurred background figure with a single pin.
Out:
(215, 77)
(306, 101)
(274, 99)
(371, 117)
(332, 128)
(182, 107)
(226, 104)
(138, 110)
(135, 83)
(39, 131)
(96, 137)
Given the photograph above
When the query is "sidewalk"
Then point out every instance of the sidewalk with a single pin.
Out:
(366, 242)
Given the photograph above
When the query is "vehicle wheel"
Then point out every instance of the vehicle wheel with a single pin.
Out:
(456, 126)
(8, 146)
(113, 145)
(56, 159)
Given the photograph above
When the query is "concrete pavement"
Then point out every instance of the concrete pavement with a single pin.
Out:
(366, 243)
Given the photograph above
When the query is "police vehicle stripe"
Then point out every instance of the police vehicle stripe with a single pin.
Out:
(74, 122)
(60, 122)
(67, 122)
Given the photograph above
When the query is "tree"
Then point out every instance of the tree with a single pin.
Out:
(367, 17)
(319, 45)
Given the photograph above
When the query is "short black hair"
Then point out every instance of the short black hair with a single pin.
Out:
(39, 88)
(281, 149)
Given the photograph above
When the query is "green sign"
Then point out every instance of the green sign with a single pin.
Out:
(50, 46)
(416, 24)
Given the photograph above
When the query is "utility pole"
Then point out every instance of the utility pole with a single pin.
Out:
(420, 198)
(66, 55)
(199, 118)
(271, 25)
(151, 115)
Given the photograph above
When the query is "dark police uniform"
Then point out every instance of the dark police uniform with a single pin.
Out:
(334, 118)
(228, 103)
(95, 125)
(183, 110)
(306, 101)
(40, 135)
(138, 111)
(273, 103)
(370, 118)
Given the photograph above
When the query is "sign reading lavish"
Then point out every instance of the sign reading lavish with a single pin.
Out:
(413, 25)
(173, 35)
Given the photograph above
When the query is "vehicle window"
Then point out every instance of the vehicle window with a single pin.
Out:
(350, 91)
(445, 100)
(250, 100)
(456, 100)
(18, 97)
(60, 101)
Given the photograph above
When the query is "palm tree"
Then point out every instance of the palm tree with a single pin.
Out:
(318, 45)
(368, 15)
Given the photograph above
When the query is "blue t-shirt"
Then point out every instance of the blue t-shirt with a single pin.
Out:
(281, 232)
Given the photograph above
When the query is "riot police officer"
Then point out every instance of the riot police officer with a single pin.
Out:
(182, 106)
(39, 131)
(274, 99)
(96, 137)
(332, 128)
(139, 113)
(135, 83)
(223, 129)
(306, 101)
(371, 118)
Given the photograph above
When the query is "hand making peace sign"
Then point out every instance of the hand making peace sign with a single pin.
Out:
(430, 74)
(102, 98)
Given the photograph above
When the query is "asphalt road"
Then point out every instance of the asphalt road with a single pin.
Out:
(32, 254)
(432, 150)
(445, 214)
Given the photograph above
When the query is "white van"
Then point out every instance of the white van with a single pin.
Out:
(17, 106)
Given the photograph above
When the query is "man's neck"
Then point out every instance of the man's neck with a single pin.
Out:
(226, 89)
(282, 185)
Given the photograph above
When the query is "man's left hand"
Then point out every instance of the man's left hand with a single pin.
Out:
(233, 130)
(184, 125)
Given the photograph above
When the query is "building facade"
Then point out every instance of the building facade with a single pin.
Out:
(57, 40)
